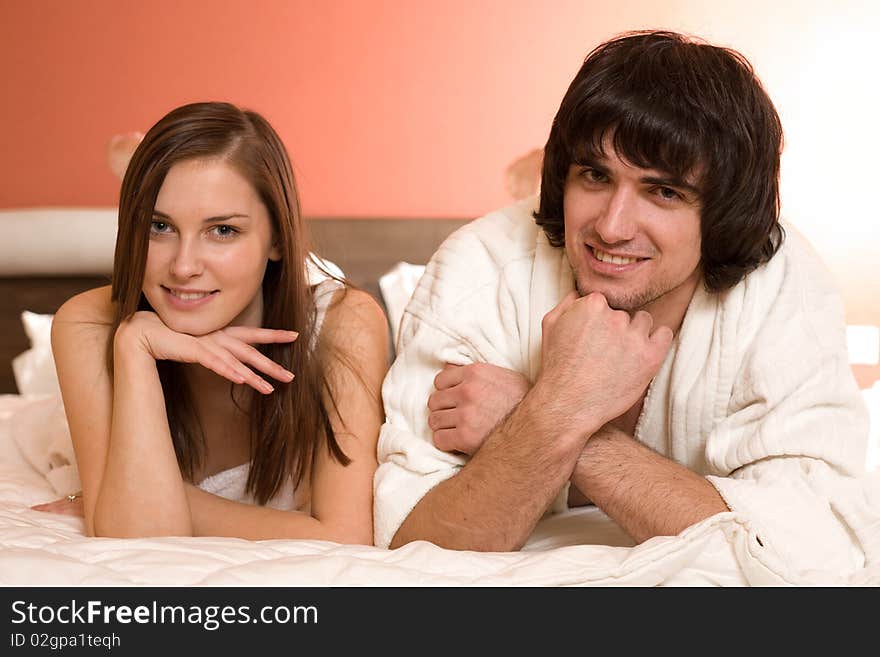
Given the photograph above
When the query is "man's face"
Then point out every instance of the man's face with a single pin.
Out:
(632, 234)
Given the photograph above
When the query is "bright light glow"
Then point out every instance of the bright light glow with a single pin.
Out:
(863, 343)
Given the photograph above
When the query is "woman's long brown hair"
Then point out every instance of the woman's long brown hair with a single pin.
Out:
(288, 426)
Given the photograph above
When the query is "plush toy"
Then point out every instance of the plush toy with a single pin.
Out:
(120, 148)
(523, 176)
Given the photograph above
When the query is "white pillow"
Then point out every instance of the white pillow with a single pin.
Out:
(397, 286)
(34, 369)
(872, 401)
(59, 240)
(39, 428)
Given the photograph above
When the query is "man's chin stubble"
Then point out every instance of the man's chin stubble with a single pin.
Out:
(630, 306)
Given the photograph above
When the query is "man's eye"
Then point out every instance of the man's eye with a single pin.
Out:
(594, 176)
(668, 193)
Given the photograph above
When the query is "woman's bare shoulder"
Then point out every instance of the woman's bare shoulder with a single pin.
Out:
(92, 307)
(88, 313)
(80, 332)
(355, 334)
(351, 313)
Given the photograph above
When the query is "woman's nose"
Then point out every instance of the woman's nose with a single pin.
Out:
(187, 261)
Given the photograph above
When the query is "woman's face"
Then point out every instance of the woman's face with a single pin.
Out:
(210, 240)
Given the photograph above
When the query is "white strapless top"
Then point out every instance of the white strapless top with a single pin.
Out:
(231, 483)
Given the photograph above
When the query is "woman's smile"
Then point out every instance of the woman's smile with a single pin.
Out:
(182, 299)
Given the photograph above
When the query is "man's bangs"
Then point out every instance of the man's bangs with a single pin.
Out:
(642, 139)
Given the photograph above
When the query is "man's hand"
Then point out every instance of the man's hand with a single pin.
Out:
(469, 402)
(596, 362)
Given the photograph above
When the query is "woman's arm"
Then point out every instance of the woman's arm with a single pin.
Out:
(79, 339)
(131, 481)
(355, 340)
(342, 496)
(142, 492)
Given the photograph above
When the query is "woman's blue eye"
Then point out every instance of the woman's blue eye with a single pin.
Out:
(225, 231)
(158, 226)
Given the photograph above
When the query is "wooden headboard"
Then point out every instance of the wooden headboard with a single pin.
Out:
(364, 249)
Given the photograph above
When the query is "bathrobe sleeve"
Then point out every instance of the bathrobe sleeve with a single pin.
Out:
(791, 426)
(464, 310)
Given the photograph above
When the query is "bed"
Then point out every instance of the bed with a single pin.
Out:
(42, 265)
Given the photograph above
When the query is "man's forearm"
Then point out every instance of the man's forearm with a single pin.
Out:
(495, 501)
(645, 493)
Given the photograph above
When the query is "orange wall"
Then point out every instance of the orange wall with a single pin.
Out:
(407, 107)
(388, 107)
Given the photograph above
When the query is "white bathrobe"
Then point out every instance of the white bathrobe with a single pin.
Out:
(756, 392)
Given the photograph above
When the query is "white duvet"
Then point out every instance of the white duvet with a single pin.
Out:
(579, 548)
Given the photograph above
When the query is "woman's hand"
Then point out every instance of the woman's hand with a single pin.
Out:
(227, 352)
(72, 505)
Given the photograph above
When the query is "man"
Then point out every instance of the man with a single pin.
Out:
(649, 340)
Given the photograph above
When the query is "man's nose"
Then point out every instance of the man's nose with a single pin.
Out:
(187, 261)
(617, 223)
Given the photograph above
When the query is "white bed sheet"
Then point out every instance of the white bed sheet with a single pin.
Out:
(579, 548)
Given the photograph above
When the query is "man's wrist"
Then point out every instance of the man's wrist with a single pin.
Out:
(542, 407)
(604, 434)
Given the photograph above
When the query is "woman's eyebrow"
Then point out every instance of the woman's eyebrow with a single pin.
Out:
(225, 217)
(222, 217)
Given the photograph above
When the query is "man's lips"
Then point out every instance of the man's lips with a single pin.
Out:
(614, 258)
(609, 262)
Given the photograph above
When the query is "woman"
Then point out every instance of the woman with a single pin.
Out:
(211, 373)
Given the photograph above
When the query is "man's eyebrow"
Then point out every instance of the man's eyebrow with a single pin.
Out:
(661, 180)
(592, 163)
(670, 182)
(209, 220)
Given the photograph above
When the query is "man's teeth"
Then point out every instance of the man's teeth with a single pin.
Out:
(617, 260)
(189, 296)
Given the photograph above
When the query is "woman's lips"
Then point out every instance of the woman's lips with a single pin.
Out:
(187, 299)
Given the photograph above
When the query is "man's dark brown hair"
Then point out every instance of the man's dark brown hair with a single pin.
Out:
(691, 110)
